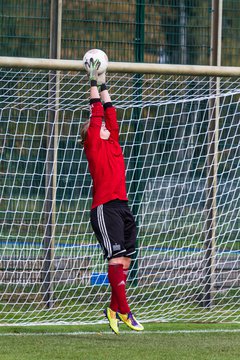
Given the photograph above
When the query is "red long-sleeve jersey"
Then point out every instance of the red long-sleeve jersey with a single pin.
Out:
(105, 158)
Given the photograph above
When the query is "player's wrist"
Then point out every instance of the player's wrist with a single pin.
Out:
(103, 87)
(93, 82)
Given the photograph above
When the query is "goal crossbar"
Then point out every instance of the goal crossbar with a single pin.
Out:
(121, 67)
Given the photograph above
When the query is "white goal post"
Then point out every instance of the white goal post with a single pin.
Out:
(180, 133)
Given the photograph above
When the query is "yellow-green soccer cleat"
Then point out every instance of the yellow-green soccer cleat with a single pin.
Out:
(112, 318)
(130, 320)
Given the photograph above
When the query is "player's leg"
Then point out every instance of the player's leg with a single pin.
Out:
(117, 262)
(130, 234)
(117, 274)
(114, 299)
(106, 224)
(118, 300)
(117, 279)
(125, 261)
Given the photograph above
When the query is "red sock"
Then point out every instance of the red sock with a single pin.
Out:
(117, 280)
(114, 302)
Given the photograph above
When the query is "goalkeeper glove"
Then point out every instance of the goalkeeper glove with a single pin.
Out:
(93, 70)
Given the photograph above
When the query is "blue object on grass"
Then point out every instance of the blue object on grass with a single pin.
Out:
(99, 279)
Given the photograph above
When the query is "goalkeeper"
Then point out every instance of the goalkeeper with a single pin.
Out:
(111, 218)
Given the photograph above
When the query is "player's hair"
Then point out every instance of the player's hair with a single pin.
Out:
(83, 131)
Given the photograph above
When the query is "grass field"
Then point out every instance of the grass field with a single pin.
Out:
(159, 341)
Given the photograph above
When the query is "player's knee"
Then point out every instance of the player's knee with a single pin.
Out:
(116, 260)
(125, 261)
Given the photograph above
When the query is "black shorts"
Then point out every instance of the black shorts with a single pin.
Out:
(115, 228)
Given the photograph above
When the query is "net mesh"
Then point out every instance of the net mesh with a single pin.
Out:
(187, 267)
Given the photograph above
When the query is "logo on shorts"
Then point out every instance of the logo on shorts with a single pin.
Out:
(116, 247)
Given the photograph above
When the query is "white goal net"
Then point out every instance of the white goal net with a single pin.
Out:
(180, 137)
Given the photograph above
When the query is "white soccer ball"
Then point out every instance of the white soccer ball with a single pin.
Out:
(96, 54)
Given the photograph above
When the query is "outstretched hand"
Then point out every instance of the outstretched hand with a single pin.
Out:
(93, 66)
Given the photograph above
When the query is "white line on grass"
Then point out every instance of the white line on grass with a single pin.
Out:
(76, 333)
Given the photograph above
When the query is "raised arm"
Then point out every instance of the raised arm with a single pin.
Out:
(110, 114)
(96, 108)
